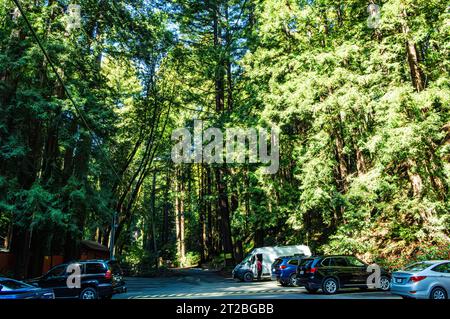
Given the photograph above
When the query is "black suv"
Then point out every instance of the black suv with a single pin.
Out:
(330, 273)
(99, 279)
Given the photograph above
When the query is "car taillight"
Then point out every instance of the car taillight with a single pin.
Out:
(417, 278)
(283, 267)
(311, 271)
(108, 274)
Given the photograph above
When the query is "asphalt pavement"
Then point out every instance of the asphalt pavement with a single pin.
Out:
(196, 283)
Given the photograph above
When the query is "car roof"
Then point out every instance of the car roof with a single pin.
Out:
(330, 256)
(431, 262)
(81, 262)
(88, 261)
(5, 278)
(291, 257)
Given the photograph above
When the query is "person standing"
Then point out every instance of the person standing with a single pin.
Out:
(259, 268)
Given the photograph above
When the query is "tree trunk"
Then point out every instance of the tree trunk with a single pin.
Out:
(222, 205)
(179, 220)
(412, 53)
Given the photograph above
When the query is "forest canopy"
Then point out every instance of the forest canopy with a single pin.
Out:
(359, 90)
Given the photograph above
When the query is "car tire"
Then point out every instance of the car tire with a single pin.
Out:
(311, 290)
(385, 283)
(89, 293)
(438, 293)
(330, 286)
(293, 280)
(248, 277)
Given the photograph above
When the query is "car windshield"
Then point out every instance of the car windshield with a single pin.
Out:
(57, 271)
(277, 261)
(418, 266)
(246, 259)
(9, 284)
(306, 262)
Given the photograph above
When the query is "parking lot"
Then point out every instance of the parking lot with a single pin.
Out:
(197, 283)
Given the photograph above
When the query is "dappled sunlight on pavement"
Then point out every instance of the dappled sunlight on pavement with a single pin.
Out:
(197, 283)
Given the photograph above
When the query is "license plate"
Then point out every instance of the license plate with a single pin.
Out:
(398, 280)
(302, 272)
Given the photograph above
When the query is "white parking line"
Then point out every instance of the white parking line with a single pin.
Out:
(210, 294)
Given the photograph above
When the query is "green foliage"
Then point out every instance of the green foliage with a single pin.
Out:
(364, 116)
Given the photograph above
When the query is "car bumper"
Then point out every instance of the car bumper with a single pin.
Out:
(410, 291)
(105, 290)
(120, 289)
(239, 273)
(309, 283)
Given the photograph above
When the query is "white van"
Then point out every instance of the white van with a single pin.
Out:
(247, 269)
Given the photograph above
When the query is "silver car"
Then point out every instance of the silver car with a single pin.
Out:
(423, 280)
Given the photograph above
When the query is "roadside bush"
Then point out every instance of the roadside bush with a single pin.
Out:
(192, 259)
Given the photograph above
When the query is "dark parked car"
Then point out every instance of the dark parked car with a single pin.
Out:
(99, 279)
(14, 289)
(330, 273)
(284, 270)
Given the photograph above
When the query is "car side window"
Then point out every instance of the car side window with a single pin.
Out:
(57, 271)
(340, 262)
(95, 268)
(444, 268)
(326, 262)
(355, 262)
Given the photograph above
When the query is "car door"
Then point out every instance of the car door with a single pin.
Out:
(357, 271)
(253, 266)
(341, 270)
(292, 266)
(56, 279)
(443, 275)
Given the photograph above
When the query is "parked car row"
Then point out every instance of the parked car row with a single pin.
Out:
(422, 280)
(295, 266)
(98, 279)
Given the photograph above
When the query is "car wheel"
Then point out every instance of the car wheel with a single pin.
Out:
(385, 283)
(293, 280)
(310, 290)
(330, 286)
(88, 293)
(438, 293)
(248, 276)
